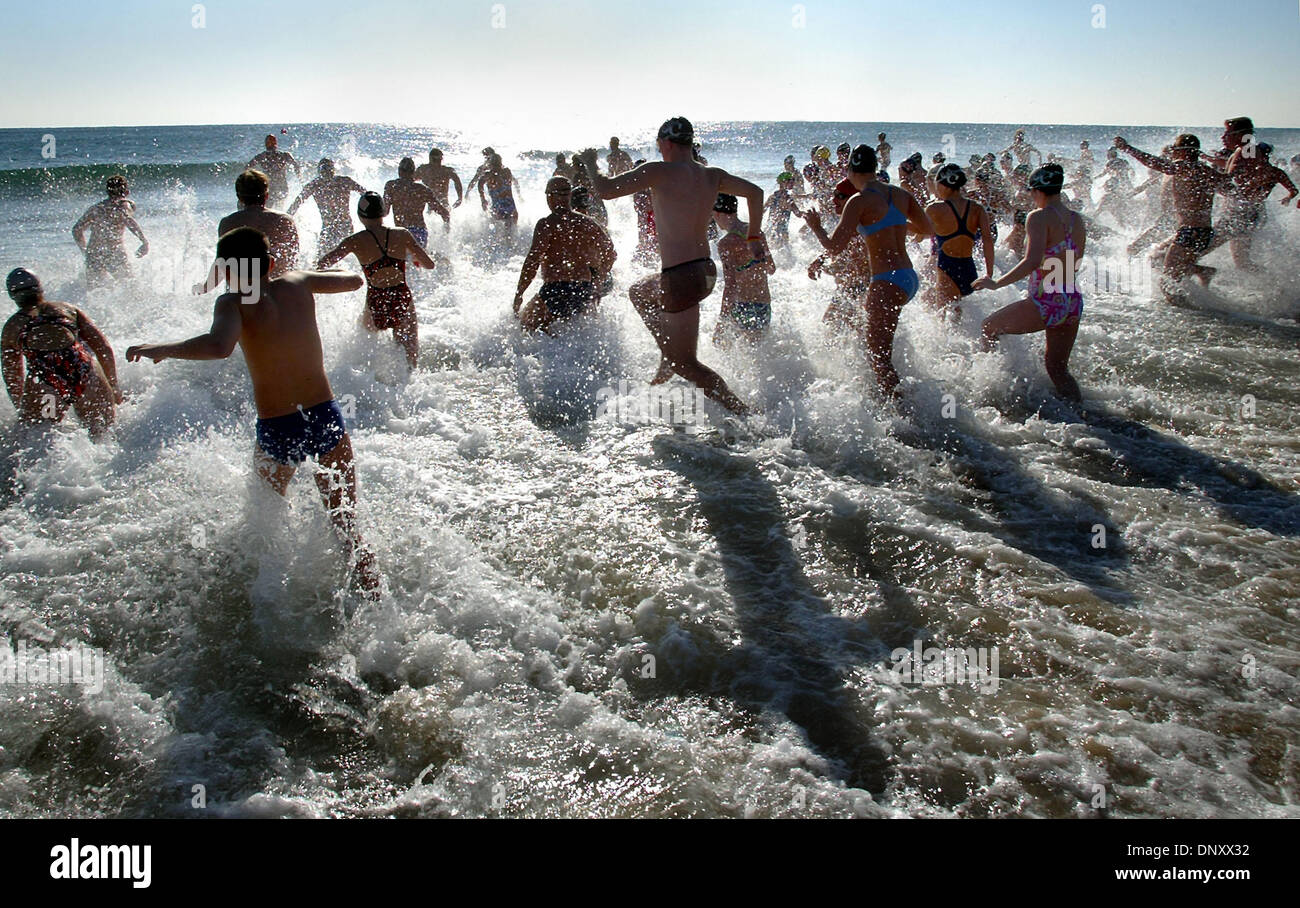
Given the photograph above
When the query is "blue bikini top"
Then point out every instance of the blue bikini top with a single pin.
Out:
(893, 218)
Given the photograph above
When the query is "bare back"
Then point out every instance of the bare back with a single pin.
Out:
(279, 229)
(572, 246)
(282, 346)
(683, 194)
(408, 200)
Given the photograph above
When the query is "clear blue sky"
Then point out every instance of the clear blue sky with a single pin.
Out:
(560, 65)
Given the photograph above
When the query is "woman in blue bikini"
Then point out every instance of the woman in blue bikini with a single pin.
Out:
(1057, 237)
(880, 214)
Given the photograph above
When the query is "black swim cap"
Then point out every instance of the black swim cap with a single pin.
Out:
(370, 205)
(21, 282)
(1187, 140)
(1240, 124)
(726, 204)
(843, 146)
(951, 176)
(678, 130)
(863, 160)
(1049, 179)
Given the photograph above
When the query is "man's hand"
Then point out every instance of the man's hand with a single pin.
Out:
(154, 352)
(519, 301)
(984, 283)
(812, 217)
(118, 398)
(1121, 143)
(143, 250)
(815, 269)
(458, 201)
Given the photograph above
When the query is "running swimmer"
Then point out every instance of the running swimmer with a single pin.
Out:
(437, 175)
(332, 194)
(106, 221)
(1193, 188)
(251, 188)
(617, 161)
(1057, 238)
(1254, 177)
(275, 164)
(746, 299)
(69, 362)
(882, 214)
(957, 221)
(575, 256)
(683, 194)
(498, 181)
(297, 415)
(408, 201)
(383, 259)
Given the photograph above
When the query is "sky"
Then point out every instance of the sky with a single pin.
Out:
(557, 66)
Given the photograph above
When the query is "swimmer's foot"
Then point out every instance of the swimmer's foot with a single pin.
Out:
(1205, 273)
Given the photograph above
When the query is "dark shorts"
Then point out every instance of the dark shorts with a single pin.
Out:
(565, 299)
(311, 432)
(1197, 239)
(421, 235)
(685, 285)
(751, 316)
(390, 307)
(961, 271)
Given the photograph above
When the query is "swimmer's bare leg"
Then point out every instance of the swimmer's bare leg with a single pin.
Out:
(277, 475)
(533, 316)
(337, 482)
(96, 408)
(407, 334)
(647, 298)
(679, 350)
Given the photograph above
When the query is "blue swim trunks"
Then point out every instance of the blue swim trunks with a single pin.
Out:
(421, 235)
(311, 432)
(752, 316)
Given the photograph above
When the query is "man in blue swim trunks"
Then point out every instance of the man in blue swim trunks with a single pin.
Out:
(746, 299)
(275, 326)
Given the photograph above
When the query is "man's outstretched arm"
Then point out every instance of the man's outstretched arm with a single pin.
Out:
(218, 343)
(634, 180)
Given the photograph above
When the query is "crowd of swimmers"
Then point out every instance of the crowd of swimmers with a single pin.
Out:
(55, 358)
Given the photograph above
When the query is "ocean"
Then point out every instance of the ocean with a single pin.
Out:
(592, 612)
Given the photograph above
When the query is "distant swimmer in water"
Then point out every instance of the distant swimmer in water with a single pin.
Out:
(1162, 186)
(575, 256)
(796, 178)
(275, 164)
(911, 177)
(586, 200)
(251, 189)
(297, 415)
(883, 151)
(105, 255)
(851, 270)
(499, 182)
(1194, 187)
(384, 254)
(482, 168)
(332, 194)
(617, 161)
(1057, 238)
(1021, 202)
(780, 206)
(647, 245)
(437, 175)
(881, 214)
(563, 168)
(746, 299)
(1254, 178)
(408, 200)
(69, 362)
(683, 194)
(957, 221)
(1023, 151)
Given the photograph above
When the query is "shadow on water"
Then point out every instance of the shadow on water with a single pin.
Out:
(1140, 455)
(788, 628)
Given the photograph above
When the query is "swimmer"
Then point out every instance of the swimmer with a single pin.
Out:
(437, 175)
(383, 259)
(957, 220)
(275, 164)
(882, 214)
(575, 256)
(683, 193)
(746, 299)
(297, 415)
(332, 194)
(408, 200)
(68, 361)
(252, 188)
(1057, 239)
(106, 220)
